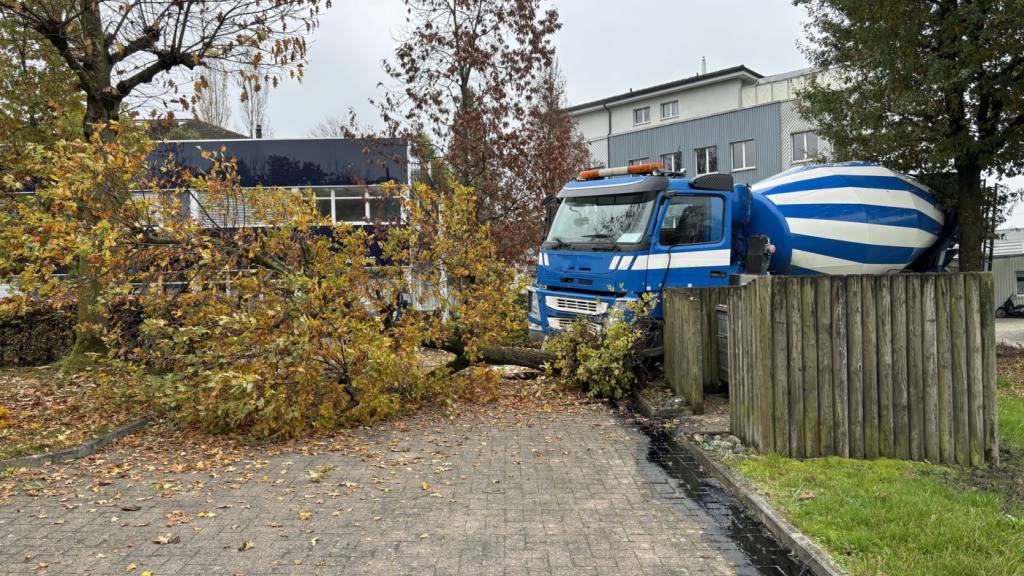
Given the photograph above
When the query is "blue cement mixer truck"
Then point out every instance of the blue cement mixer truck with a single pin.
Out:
(619, 233)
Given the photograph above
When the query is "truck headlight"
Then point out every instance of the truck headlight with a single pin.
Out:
(534, 304)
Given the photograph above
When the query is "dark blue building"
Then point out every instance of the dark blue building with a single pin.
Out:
(344, 174)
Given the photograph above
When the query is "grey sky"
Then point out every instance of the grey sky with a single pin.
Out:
(605, 47)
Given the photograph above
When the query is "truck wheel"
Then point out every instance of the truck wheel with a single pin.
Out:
(1000, 312)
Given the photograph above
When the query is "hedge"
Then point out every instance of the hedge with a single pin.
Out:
(43, 331)
(39, 332)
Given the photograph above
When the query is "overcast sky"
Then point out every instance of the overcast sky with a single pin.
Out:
(605, 47)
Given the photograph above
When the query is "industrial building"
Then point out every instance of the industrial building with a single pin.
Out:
(733, 121)
(1008, 264)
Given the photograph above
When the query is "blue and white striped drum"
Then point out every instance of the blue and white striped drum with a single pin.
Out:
(846, 218)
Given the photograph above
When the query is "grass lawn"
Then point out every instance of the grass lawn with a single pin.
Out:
(42, 410)
(894, 517)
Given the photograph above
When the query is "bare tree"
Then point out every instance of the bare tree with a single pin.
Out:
(133, 48)
(333, 127)
(214, 105)
(252, 80)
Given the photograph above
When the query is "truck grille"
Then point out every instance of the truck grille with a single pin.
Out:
(576, 305)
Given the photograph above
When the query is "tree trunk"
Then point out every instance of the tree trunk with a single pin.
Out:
(91, 320)
(971, 217)
(529, 357)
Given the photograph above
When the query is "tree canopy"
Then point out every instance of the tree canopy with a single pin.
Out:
(924, 86)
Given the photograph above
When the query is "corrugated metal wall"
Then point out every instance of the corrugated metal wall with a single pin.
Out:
(760, 123)
(791, 121)
(1004, 271)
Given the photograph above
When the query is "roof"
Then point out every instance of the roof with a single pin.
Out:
(699, 78)
(1008, 242)
(188, 128)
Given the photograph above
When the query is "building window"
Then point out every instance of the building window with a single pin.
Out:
(707, 160)
(641, 115)
(669, 109)
(743, 155)
(673, 161)
(805, 146)
(356, 205)
(638, 161)
(1020, 282)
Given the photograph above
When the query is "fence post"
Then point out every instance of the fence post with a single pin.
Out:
(763, 359)
(975, 371)
(855, 355)
(810, 360)
(900, 381)
(947, 448)
(840, 366)
(886, 444)
(869, 331)
(958, 329)
(780, 358)
(988, 340)
(694, 345)
(796, 369)
(915, 367)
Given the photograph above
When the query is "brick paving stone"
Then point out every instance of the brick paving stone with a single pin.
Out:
(562, 493)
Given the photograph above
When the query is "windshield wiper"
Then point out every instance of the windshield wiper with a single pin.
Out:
(559, 243)
(598, 235)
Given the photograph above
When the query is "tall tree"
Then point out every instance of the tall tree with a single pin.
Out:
(929, 86)
(118, 49)
(38, 101)
(556, 152)
(255, 98)
(214, 105)
(468, 73)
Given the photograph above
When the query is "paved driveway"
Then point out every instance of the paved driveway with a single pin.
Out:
(1010, 331)
(520, 492)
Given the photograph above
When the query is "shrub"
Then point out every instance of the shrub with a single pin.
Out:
(35, 332)
(602, 360)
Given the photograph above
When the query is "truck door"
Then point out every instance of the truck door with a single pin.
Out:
(692, 244)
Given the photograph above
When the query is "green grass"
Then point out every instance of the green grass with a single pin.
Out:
(893, 517)
(1011, 422)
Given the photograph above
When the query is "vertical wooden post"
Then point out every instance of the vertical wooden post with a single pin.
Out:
(668, 350)
(826, 400)
(840, 367)
(796, 369)
(710, 303)
(947, 447)
(975, 371)
(810, 349)
(735, 380)
(900, 382)
(780, 368)
(763, 357)
(958, 329)
(986, 297)
(692, 344)
(886, 442)
(915, 366)
(931, 370)
(869, 331)
(855, 355)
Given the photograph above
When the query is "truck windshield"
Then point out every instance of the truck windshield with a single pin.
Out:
(612, 218)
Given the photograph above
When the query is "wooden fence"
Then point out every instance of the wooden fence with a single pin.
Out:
(897, 366)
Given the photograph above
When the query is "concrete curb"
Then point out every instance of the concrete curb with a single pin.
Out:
(651, 411)
(84, 449)
(809, 553)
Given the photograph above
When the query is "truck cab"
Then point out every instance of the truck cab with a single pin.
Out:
(620, 233)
